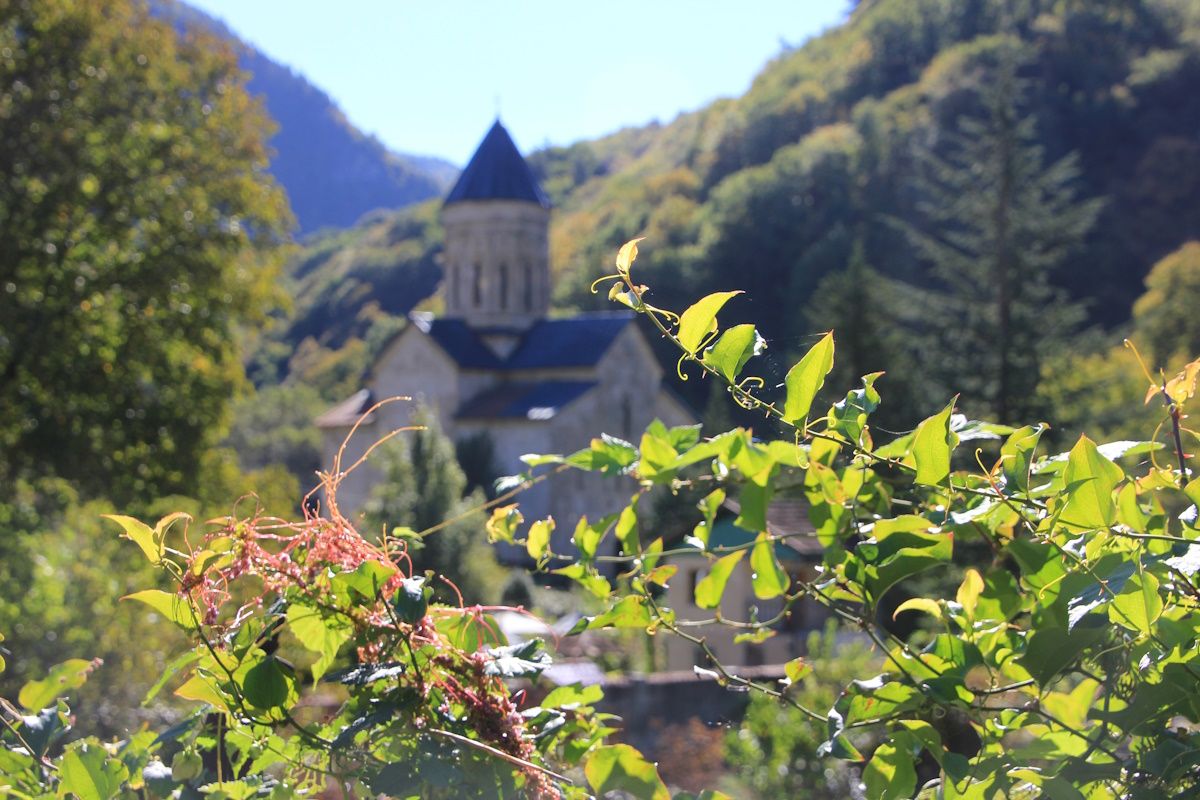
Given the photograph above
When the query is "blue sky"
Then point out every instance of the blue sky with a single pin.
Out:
(428, 77)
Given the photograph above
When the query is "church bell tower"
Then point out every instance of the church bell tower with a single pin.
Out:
(496, 258)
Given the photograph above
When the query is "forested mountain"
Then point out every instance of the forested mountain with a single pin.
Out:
(332, 172)
(831, 158)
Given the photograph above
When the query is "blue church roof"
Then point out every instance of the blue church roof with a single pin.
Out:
(578, 341)
(571, 342)
(497, 171)
(459, 342)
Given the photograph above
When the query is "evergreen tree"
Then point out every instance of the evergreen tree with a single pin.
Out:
(424, 486)
(996, 223)
(866, 312)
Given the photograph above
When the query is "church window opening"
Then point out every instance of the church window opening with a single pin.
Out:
(504, 287)
(477, 286)
(529, 287)
(627, 418)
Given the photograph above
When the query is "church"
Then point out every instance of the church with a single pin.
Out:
(498, 363)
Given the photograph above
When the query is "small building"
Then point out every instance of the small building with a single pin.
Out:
(799, 553)
(497, 362)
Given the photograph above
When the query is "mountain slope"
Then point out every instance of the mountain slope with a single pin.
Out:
(332, 172)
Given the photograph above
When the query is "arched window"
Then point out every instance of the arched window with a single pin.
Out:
(529, 287)
(504, 287)
(627, 418)
(477, 286)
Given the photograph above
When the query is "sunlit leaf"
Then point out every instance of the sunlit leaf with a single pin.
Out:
(731, 352)
(769, 578)
(1090, 479)
(59, 681)
(619, 767)
(932, 445)
(700, 319)
(537, 541)
(806, 378)
(711, 587)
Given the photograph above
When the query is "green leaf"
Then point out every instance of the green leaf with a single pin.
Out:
(88, 773)
(1053, 649)
(630, 611)
(849, 416)
(731, 352)
(901, 548)
(627, 528)
(62, 678)
(469, 631)
(321, 634)
(1090, 480)
(266, 685)
(621, 768)
(754, 500)
(769, 578)
(140, 534)
(574, 695)
(797, 670)
(932, 446)
(607, 454)
(700, 319)
(200, 688)
(1016, 456)
(1138, 605)
(709, 505)
(969, 591)
(588, 536)
(412, 600)
(890, 774)
(805, 379)
(503, 523)
(587, 577)
(173, 607)
(627, 255)
(366, 580)
(926, 604)
(537, 541)
(710, 588)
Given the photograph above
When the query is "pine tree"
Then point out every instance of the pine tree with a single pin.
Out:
(424, 486)
(997, 221)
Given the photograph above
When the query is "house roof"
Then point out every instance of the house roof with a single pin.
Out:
(456, 338)
(572, 342)
(579, 341)
(530, 400)
(497, 171)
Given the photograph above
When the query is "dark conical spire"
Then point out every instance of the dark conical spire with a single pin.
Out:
(497, 171)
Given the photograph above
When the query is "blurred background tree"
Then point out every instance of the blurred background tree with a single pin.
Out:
(138, 231)
(998, 221)
(773, 754)
(423, 486)
(139, 235)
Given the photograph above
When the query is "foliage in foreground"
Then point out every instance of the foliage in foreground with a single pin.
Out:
(1063, 665)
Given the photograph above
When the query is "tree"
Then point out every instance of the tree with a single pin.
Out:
(423, 487)
(1165, 318)
(997, 222)
(137, 232)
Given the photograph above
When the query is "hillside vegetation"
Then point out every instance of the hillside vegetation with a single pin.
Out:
(828, 163)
